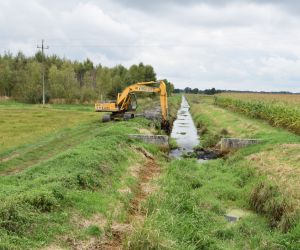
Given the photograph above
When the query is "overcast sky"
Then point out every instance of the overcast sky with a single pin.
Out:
(227, 44)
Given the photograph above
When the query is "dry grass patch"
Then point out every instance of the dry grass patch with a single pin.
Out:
(281, 164)
(97, 219)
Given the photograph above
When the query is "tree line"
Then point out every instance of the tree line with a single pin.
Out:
(189, 90)
(214, 91)
(66, 80)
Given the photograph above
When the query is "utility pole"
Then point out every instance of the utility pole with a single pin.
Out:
(43, 66)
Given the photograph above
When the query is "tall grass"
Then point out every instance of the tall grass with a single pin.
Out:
(277, 114)
(289, 99)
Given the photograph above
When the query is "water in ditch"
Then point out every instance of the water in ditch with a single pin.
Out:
(184, 131)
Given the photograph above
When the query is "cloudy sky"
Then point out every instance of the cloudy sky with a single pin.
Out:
(227, 44)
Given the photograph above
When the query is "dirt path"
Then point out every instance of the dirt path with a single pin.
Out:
(145, 175)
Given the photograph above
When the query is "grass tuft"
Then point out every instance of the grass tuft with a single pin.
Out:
(267, 199)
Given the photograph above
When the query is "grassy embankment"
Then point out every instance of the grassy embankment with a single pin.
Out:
(260, 183)
(62, 172)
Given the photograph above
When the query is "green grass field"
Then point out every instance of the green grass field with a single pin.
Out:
(23, 124)
(67, 187)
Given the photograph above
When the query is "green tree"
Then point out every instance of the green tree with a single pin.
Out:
(31, 88)
(71, 86)
(63, 82)
(56, 78)
(103, 82)
(6, 77)
(20, 77)
(170, 87)
(149, 74)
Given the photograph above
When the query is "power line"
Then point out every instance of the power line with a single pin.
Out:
(43, 48)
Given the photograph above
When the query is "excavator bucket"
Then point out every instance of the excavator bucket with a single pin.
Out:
(166, 127)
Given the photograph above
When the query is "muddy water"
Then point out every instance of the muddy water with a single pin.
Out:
(184, 131)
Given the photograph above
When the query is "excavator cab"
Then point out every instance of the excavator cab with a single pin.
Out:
(132, 102)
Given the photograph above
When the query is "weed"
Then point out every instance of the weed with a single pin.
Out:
(266, 199)
(172, 144)
(224, 131)
(15, 217)
(94, 230)
(59, 193)
(224, 234)
(87, 180)
(147, 237)
(42, 201)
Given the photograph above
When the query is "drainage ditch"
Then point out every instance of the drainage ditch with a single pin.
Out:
(184, 132)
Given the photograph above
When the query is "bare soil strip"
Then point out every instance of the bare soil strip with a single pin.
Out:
(145, 175)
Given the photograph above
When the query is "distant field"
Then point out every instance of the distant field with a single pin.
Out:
(280, 110)
(292, 99)
(23, 123)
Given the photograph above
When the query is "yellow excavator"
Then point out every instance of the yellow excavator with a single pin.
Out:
(126, 102)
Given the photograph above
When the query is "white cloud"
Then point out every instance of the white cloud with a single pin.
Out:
(225, 44)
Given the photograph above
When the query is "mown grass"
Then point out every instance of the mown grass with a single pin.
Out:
(23, 124)
(189, 210)
(43, 148)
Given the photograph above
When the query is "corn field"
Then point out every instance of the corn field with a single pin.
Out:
(289, 99)
(282, 113)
